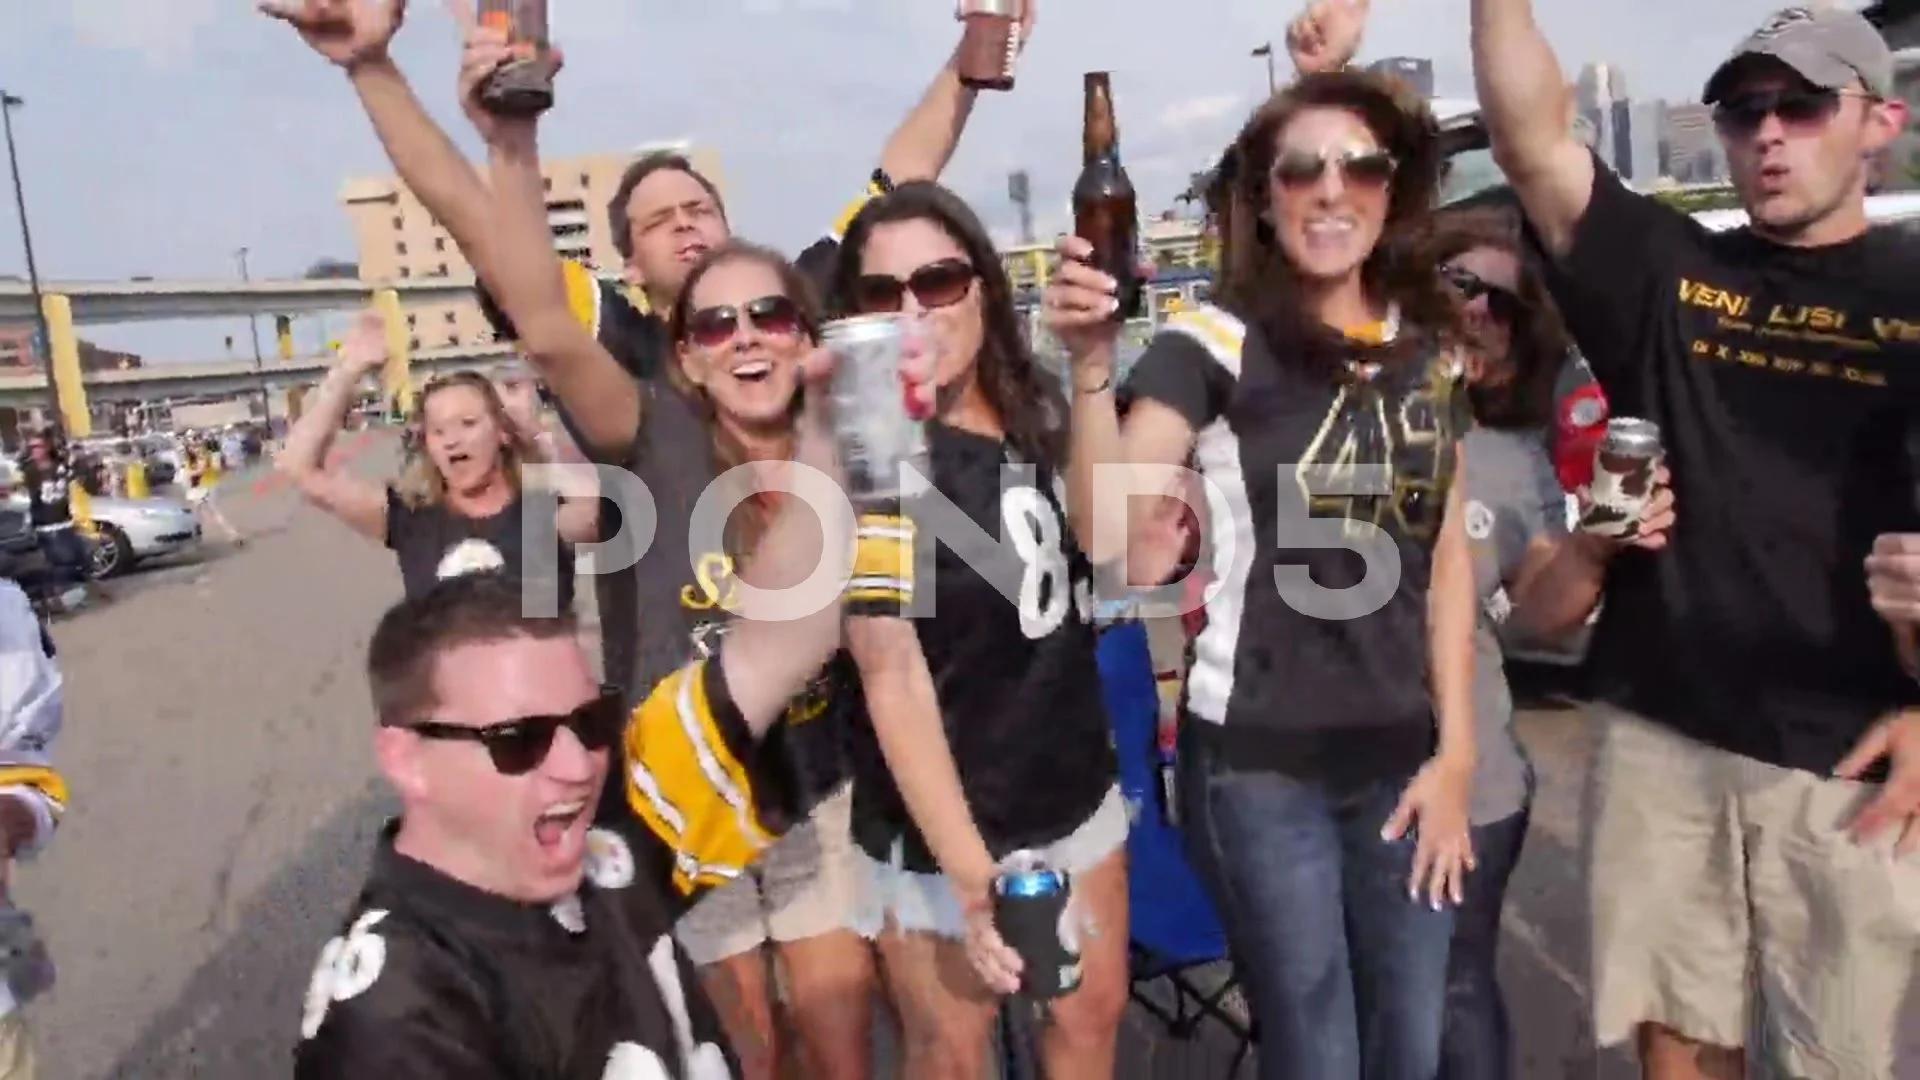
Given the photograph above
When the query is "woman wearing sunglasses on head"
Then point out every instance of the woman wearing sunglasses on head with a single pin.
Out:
(458, 505)
(989, 733)
(1327, 745)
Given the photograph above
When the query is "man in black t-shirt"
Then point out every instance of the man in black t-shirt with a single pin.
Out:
(1741, 667)
(47, 478)
(517, 919)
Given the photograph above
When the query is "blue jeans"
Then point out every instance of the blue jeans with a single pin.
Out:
(66, 554)
(1345, 974)
(1478, 1044)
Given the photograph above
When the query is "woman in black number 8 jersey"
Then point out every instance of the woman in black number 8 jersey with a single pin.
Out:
(1326, 750)
(989, 733)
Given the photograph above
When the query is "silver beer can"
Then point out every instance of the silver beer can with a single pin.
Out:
(1623, 468)
(882, 443)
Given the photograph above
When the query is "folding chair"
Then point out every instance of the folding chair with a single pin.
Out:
(1174, 932)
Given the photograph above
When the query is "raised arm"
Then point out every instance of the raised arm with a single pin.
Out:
(777, 643)
(921, 146)
(525, 277)
(355, 35)
(1118, 473)
(360, 504)
(1526, 103)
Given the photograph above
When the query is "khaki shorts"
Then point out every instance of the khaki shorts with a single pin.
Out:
(805, 885)
(16, 1048)
(1729, 902)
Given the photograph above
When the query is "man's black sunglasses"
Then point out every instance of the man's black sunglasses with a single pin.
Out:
(1502, 304)
(519, 746)
(1796, 106)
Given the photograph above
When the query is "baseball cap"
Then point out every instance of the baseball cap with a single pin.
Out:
(1829, 48)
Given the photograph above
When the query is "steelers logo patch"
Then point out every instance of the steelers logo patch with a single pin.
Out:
(469, 557)
(609, 860)
(1479, 520)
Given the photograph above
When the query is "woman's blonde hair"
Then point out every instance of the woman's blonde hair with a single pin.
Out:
(420, 484)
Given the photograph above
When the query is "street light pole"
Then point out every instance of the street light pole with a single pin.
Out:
(253, 324)
(1273, 86)
(43, 346)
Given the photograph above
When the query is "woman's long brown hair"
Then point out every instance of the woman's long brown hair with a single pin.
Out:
(1257, 281)
(751, 517)
(1540, 344)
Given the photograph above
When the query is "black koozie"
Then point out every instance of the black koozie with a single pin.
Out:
(1035, 927)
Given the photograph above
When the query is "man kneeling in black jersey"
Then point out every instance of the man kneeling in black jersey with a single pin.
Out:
(516, 920)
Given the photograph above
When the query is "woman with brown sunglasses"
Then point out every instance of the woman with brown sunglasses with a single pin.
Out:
(741, 326)
(989, 730)
(1326, 751)
(458, 505)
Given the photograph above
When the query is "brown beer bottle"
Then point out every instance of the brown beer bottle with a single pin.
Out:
(1105, 210)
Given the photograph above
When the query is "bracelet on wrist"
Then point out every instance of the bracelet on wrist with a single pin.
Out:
(1105, 384)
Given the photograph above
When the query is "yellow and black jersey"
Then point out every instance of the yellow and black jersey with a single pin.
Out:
(615, 313)
(708, 792)
(687, 756)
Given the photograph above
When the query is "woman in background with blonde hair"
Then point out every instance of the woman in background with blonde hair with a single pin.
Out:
(458, 505)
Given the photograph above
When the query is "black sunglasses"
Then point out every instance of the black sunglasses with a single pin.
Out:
(1796, 106)
(1361, 168)
(519, 746)
(1502, 303)
(712, 326)
(935, 285)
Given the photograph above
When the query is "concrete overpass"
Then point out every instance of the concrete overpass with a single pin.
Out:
(96, 302)
(159, 382)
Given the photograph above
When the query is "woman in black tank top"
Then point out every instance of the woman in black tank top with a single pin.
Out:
(459, 505)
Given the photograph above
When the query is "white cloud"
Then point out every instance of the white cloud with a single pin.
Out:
(161, 31)
(1208, 110)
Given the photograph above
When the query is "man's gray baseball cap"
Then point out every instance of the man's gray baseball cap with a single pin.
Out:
(1829, 48)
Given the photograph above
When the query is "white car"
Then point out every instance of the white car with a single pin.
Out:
(128, 531)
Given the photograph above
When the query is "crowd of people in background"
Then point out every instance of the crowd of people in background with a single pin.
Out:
(700, 839)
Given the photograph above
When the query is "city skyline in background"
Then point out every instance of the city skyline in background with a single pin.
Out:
(1173, 118)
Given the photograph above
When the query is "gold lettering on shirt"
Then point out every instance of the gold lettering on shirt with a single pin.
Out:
(1823, 320)
(715, 585)
(1720, 301)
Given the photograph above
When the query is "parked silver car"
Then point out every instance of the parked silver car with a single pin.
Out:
(130, 530)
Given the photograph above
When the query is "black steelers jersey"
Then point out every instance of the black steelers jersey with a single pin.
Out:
(432, 978)
(1003, 610)
(1327, 494)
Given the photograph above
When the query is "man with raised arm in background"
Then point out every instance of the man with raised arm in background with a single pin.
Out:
(1759, 776)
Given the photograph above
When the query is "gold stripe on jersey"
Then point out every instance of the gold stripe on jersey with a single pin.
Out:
(687, 784)
(1219, 333)
(882, 580)
(853, 209)
(583, 295)
(41, 779)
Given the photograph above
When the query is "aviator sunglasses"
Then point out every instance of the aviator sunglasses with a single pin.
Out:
(1798, 107)
(519, 746)
(714, 326)
(935, 285)
(1502, 303)
(1358, 167)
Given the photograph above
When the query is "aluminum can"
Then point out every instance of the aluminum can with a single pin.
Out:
(1033, 912)
(1623, 468)
(523, 86)
(990, 46)
(882, 442)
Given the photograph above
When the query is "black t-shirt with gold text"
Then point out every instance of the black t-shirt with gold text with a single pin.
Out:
(1783, 380)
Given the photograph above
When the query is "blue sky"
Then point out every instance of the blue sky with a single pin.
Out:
(161, 135)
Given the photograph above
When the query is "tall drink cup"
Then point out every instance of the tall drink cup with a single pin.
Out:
(523, 86)
(877, 428)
